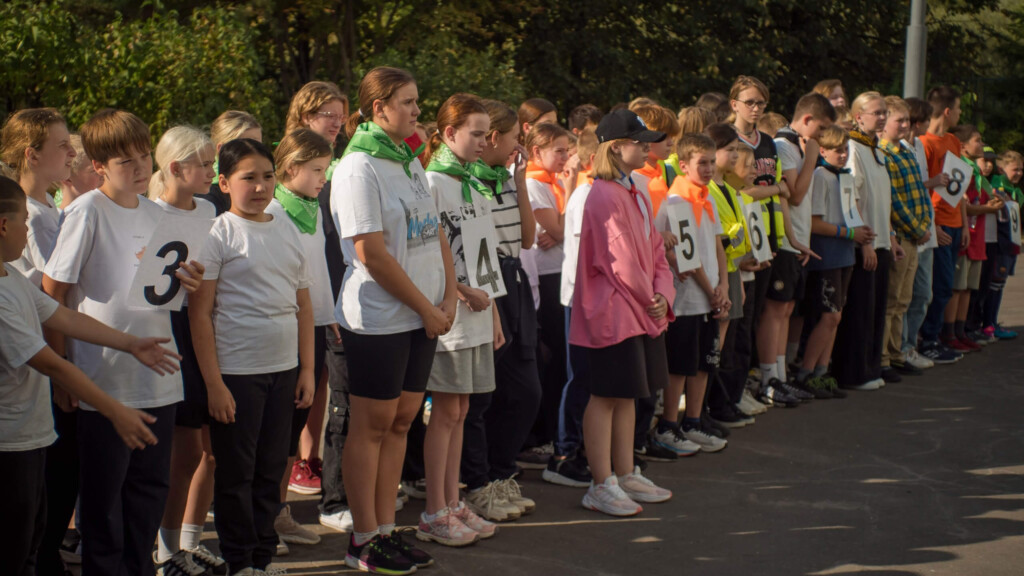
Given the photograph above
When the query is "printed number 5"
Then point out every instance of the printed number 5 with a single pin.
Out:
(181, 252)
(684, 236)
(485, 273)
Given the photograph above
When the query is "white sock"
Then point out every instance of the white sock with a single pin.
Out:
(360, 538)
(768, 371)
(385, 529)
(167, 544)
(780, 366)
(190, 536)
(791, 350)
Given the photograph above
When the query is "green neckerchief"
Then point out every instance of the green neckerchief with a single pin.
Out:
(303, 211)
(58, 196)
(331, 167)
(373, 140)
(443, 160)
(1014, 192)
(496, 174)
(980, 183)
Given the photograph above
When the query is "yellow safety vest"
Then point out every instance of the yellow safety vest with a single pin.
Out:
(733, 224)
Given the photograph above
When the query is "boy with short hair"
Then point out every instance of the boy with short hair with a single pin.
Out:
(911, 221)
(102, 238)
(951, 224)
(798, 154)
(702, 298)
(26, 363)
(583, 117)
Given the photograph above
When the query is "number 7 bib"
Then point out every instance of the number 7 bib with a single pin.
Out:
(480, 246)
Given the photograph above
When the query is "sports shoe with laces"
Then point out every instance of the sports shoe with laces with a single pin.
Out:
(609, 498)
(750, 405)
(489, 502)
(482, 527)
(830, 382)
(304, 479)
(290, 531)
(711, 427)
(916, 360)
(445, 528)
(728, 418)
(801, 395)
(340, 520)
(816, 385)
(272, 570)
(906, 368)
(535, 458)
(981, 337)
(969, 343)
(417, 489)
(179, 564)
(956, 345)
(772, 392)
(1003, 333)
(939, 354)
(641, 489)
(672, 439)
(707, 442)
(513, 492)
(214, 564)
(571, 471)
(374, 556)
(395, 542)
(654, 452)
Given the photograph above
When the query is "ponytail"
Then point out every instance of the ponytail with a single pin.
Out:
(455, 111)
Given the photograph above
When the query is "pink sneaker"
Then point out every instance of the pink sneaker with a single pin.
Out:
(483, 527)
(446, 529)
(303, 480)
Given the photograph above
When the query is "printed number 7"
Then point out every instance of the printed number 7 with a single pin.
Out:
(181, 252)
(485, 273)
(685, 236)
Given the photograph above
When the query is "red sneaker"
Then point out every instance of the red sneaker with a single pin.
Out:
(971, 344)
(302, 480)
(316, 465)
(956, 344)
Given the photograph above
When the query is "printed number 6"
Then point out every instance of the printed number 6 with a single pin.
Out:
(758, 237)
(181, 251)
(956, 182)
(685, 236)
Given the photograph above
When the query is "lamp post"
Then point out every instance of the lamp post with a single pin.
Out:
(917, 33)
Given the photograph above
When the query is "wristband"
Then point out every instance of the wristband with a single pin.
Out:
(838, 230)
(849, 233)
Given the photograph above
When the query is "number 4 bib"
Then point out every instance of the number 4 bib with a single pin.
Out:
(480, 246)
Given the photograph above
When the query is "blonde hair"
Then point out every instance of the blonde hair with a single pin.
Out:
(694, 119)
(1008, 158)
(862, 100)
(297, 148)
(640, 101)
(543, 135)
(607, 164)
(743, 153)
(309, 99)
(586, 144)
(771, 123)
(25, 129)
(659, 118)
(897, 103)
(231, 125)
(176, 145)
(691, 144)
(826, 87)
(833, 138)
(81, 158)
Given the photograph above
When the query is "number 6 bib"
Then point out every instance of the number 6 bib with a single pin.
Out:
(480, 246)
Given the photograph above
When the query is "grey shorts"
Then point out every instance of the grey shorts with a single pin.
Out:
(968, 273)
(469, 371)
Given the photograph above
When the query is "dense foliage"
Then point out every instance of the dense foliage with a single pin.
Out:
(174, 61)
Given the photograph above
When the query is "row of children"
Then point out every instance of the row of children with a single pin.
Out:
(691, 248)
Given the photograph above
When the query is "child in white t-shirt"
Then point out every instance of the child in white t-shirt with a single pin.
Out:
(464, 363)
(102, 238)
(249, 318)
(81, 179)
(185, 156)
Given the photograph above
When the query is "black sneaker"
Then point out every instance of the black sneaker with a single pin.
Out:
(374, 556)
(833, 386)
(568, 471)
(890, 375)
(938, 353)
(709, 426)
(655, 453)
(905, 368)
(801, 395)
(811, 386)
(773, 395)
(214, 564)
(729, 418)
(395, 542)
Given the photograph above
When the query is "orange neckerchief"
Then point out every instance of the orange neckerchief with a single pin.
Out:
(584, 177)
(537, 172)
(694, 194)
(656, 185)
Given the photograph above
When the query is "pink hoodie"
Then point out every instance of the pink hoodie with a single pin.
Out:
(621, 267)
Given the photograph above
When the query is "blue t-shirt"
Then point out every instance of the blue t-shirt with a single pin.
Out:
(827, 203)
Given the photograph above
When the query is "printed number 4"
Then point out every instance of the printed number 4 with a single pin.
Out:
(685, 236)
(180, 250)
(485, 273)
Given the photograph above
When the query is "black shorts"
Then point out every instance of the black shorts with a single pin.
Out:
(692, 344)
(382, 366)
(193, 411)
(826, 290)
(633, 368)
(788, 278)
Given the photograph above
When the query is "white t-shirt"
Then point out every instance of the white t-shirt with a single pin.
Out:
(507, 223)
(571, 241)
(470, 329)
(873, 189)
(43, 225)
(204, 209)
(98, 249)
(543, 196)
(374, 195)
(313, 246)
(26, 419)
(690, 298)
(258, 267)
(799, 216)
(641, 182)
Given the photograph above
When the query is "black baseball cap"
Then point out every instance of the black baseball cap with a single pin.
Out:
(625, 124)
(990, 153)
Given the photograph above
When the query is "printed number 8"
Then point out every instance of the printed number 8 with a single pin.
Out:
(181, 251)
(956, 182)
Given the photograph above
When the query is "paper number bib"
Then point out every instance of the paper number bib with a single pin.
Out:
(480, 246)
(177, 239)
(756, 231)
(681, 217)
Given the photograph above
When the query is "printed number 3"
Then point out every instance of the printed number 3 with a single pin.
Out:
(181, 252)
(485, 273)
(685, 236)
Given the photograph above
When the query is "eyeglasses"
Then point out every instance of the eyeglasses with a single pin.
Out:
(331, 116)
(762, 104)
(879, 113)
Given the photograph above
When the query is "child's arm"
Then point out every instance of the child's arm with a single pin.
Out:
(451, 286)
(82, 327)
(58, 291)
(965, 236)
(129, 423)
(762, 192)
(552, 222)
(306, 385)
(800, 183)
(805, 252)
(200, 316)
(499, 335)
(528, 223)
(722, 290)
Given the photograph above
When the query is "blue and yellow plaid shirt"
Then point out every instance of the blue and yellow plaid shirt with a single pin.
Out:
(911, 214)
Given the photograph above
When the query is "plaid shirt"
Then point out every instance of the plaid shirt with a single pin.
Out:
(911, 213)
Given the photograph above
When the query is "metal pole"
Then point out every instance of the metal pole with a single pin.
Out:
(917, 32)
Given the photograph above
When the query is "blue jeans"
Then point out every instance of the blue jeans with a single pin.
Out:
(919, 301)
(575, 396)
(943, 271)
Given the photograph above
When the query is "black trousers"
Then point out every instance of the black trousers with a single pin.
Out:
(123, 492)
(61, 491)
(553, 375)
(302, 414)
(332, 486)
(736, 353)
(857, 354)
(251, 456)
(21, 531)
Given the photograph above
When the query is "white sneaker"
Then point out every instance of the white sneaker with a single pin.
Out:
(490, 503)
(641, 489)
(880, 382)
(340, 521)
(271, 570)
(707, 442)
(609, 498)
(674, 441)
(399, 504)
(291, 532)
(282, 548)
(180, 564)
(917, 361)
(749, 405)
(868, 386)
(512, 492)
